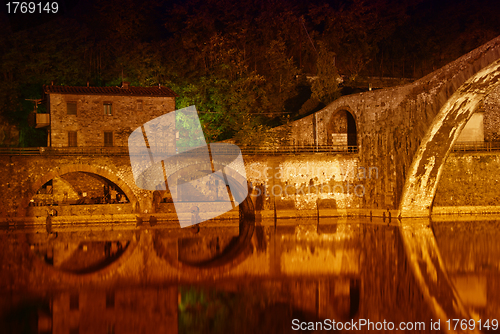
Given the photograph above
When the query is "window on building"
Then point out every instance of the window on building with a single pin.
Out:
(108, 138)
(107, 108)
(139, 105)
(72, 139)
(111, 329)
(71, 108)
(74, 301)
(110, 299)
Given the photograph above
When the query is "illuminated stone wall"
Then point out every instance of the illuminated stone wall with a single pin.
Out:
(469, 179)
(291, 183)
(298, 182)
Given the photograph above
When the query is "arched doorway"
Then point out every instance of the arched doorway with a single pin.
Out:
(342, 132)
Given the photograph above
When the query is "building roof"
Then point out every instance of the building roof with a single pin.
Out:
(126, 90)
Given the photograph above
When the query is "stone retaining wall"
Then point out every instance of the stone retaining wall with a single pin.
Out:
(469, 179)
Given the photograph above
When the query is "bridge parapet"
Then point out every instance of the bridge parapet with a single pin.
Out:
(123, 150)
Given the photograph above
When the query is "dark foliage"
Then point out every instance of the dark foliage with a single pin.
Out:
(242, 63)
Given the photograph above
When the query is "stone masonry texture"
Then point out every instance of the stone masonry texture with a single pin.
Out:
(90, 123)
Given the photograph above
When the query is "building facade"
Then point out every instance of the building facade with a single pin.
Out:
(101, 116)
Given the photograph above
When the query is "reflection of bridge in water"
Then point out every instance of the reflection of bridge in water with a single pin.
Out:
(338, 269)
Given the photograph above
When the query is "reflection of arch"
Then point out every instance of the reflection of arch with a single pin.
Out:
(72, 263)
(342, 130)
(99, 272)
(59, 171)
(428, 162)
(235, 252)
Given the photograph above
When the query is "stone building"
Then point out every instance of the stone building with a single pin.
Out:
(90, 117)
(101, 116)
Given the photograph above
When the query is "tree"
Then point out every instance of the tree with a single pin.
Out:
(325, 87)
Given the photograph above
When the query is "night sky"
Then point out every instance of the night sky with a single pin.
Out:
(242, 63)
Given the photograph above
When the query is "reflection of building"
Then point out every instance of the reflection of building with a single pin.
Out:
(119, 311)
(101, 116)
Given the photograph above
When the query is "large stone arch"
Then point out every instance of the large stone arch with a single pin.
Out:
(428, 162)
(392, 122)
(100, 171)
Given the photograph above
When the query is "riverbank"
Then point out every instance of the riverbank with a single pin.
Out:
(95, 214)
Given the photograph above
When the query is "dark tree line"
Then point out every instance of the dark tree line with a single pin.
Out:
(242, 63)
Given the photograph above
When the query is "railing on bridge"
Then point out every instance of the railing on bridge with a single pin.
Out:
(64, 151)
(294, 149)
(247, 150)
(123, 150)
(479, 146)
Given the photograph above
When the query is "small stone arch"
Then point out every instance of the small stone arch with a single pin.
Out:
(342, 132)
(100, 171)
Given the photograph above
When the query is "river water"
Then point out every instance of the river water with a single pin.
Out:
(285, 277)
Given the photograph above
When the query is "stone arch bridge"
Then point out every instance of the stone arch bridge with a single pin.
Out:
(408, 131)
(405, 132)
